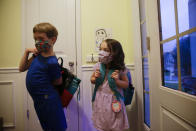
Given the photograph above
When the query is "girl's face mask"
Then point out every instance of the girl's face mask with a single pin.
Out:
(105, 57)
(42, 46)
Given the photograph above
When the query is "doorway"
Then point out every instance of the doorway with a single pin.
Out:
(62, 14)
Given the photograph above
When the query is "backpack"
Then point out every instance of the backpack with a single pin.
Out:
(127, 93)
(70, 83)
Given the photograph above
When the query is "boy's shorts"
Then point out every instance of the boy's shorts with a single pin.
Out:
(50, 113)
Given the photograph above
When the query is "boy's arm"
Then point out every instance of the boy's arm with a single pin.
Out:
(55, 73)
(57, 81)
(25, 62)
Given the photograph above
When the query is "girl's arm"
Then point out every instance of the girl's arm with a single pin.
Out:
(95, 75)
(123, 82)
(93, 79)
(25, 62)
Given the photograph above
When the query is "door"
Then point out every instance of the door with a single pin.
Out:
(60, 13)
(171, 30)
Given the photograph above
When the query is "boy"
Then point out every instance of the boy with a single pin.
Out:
(43, 74)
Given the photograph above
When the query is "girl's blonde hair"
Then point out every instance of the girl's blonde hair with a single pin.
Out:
(47, 28)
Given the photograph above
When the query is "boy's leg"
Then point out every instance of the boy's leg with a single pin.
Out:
(51, 115)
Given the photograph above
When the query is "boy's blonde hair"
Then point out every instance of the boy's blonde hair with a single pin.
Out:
(47, 28)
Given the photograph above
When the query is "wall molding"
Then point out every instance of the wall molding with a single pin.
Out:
(8, 70)
(12, 86)
(90, 67)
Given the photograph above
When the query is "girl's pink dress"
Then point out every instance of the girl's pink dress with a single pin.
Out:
(103, 117)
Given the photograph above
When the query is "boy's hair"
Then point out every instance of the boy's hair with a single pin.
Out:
(117, 54)
(47, 28)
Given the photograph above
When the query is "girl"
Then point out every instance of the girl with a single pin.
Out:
(110, 78)
(43, 73)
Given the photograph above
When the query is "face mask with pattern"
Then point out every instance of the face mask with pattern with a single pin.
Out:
(104, 57)
(42, 46)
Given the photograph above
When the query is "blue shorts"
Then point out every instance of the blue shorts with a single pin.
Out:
(50, 113)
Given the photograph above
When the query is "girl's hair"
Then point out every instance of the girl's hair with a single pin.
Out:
(47, 28)
(117, 54)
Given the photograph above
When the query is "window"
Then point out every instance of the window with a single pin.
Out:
(177, 20)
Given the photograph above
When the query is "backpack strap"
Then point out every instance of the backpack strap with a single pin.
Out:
(99, 80)
(113, 86)
(111, 82)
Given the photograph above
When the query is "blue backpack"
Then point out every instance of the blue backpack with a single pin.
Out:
(128, 92)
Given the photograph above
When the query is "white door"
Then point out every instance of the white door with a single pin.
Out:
(171, 29)
(62, 14)
(166, 64)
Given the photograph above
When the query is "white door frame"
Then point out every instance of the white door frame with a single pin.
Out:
(153, 33)
(79, 56)
(23, 37)
(78, 50)
(138, 62)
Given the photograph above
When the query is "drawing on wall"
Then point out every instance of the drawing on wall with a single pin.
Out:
(100, 35)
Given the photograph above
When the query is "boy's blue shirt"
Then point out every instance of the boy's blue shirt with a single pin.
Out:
(41, 73)
(47, 103)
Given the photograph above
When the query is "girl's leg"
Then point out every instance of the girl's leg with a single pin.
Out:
(98, 129)
(116, 130)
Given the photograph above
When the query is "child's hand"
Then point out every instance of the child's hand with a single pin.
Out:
(97, 73)
(32, 50)
(115, 75)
